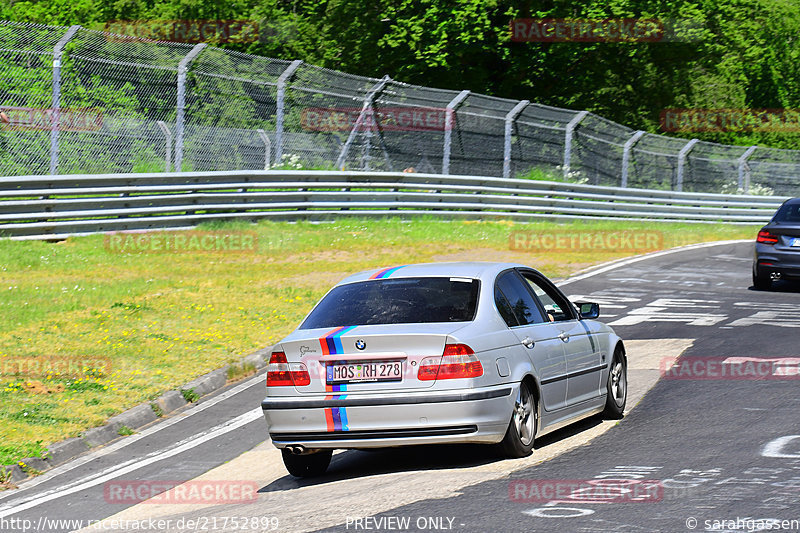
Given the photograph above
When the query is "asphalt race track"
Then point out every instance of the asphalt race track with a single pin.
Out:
(706, 449)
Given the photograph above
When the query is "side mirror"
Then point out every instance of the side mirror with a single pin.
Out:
(588, 309)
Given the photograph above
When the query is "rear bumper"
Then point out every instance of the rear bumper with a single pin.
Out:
(786, 262)
(372, 421)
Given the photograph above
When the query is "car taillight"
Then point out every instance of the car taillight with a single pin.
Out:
(457, 361)
(280, 373)
(766, 237)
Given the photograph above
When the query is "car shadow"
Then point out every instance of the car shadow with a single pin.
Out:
(780, 286)
(351, 464)
(567, 432)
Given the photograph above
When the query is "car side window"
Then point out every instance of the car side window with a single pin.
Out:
(519, 298)
(505, 308)
(555, 305)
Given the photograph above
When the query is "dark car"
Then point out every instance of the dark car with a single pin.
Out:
(778, 247)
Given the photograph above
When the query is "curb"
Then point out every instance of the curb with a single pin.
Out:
(132, 419)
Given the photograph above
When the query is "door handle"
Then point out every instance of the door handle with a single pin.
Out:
(564, 336)
(528, 342)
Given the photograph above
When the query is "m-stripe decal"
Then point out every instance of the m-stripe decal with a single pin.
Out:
(336, 417)
(331, 344)
(386, 272)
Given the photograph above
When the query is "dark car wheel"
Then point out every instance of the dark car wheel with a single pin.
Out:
(518, 440)
(307, 465)
(761, 281)
(617, 386)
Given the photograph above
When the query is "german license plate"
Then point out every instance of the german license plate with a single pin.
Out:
(364, 372)
(794, 242)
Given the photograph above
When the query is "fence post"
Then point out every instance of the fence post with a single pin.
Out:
(744, 169)
(568, 139)
(285, 76)
(183, 67)
(626, 155)
(682, 162)
(365, 109)
(511, 116)
(267, 148)
(168, 137)
(448, 128)
(55, 107)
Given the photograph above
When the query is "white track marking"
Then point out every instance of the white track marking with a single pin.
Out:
(82, 460)
(625, 262)
(774, 448)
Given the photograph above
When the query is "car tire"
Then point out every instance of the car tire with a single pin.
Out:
(616, 386)
(308, 464)
(521, 431)
(760, 281)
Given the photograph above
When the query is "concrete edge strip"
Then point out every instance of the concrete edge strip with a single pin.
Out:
(103, 451)
(625, 261)
(134, 418)
(143, 414)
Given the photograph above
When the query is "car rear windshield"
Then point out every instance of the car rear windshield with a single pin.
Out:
(397, 301)
(788, 213)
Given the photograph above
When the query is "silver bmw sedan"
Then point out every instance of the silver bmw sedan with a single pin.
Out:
(439, 353)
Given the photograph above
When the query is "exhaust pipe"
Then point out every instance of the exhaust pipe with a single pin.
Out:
(296, 449)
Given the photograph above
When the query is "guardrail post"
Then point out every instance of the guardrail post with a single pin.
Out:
(267, 148)
(626, 156)
(365, 109)
(55, 107)
(183, 67)
(285, 76)
(168, 137)
(744, 169)
(682, 162)
(511, 116)
(568, 139)
(448, 128)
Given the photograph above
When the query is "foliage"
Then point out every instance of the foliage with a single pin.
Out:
(573, 176)
(737, 54)
(755, 189)
(190, 395)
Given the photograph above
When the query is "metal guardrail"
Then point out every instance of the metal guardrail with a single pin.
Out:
(55, 207)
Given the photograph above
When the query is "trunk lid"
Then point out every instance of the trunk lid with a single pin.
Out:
(788, 236)
(356, 359)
